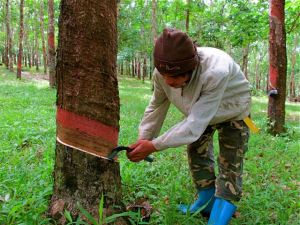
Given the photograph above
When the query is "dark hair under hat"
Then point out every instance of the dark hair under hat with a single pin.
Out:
(174, 52)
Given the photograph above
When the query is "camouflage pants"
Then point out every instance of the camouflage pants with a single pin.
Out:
(233, 141)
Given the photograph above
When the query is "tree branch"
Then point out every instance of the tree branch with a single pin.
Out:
(294, 24)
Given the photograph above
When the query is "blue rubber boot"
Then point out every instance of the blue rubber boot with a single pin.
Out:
(205, 197)
(222, 212)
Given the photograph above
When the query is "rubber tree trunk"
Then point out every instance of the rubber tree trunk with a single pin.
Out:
(145, 66)
(21, 34)
(278, 67)
(138, 67)
(245, 61)
(43, 36)
(36, 51)
(187, 18)
(154, 21)
(6, 55)
(293, 63)
(86, 87)
(9, 59)
(51, 44)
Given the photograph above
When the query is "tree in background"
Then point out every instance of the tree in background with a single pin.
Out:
(293, 59)
(187, 21)
(239, 27)
(21, 34)
(87, 91)
(41, 12)
(8, 48)
(293, 31)
(278, 67)
(51, 44)
(154, 21)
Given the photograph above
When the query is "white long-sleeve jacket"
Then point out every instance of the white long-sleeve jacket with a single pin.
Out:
(217, 92)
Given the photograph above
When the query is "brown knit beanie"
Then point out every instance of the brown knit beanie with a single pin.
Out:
(174, 53)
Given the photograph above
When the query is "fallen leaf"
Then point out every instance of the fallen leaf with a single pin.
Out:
(288, 165)
(143, 206)
(167, 200)
(237, 214)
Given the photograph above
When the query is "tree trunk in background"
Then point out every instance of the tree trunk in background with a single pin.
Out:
(9, 59)
(150, 67)
(128, 68)
(36, 51)
(29, 60)
(10, 50)
(87, 88)
(257, 72)
(15, 57)
(26, 48)
(133, 67)
(154, 32)
(6, 59)
(144, 67)
(33, 53)
(293, 63)
(245, 61)
(20, 55)
(43, 36)
(122, 68)
(278, 67)
(138, 67)
(51, 44)
(267, 87)
(153, 21)
(187, 20)
(25, 61)
(143, 64)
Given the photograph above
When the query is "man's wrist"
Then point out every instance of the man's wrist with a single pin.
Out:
(157, 145)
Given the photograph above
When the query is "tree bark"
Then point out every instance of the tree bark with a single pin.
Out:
(20, 55)
(25, 60)
(151, 67)
(245, 61)
(257, 72)
(87, 88)
(51, 44)
(6, 59)
(43, 36)
(36, 51)
(278, 67)
(29, 60)
(187, 19)
(133, 67)
(153, 21)
(9, 59)
(122, 68)
(293, 63)
(138, 67)
(145, 67)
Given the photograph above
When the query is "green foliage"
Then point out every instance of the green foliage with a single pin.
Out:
(133, 217)
(27, 125)
(231, 25)
(27, 143)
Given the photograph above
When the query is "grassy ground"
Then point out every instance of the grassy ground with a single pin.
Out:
(27, 139)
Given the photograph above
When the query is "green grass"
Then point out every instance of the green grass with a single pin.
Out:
(27, 145)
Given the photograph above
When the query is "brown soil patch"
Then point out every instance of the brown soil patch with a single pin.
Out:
(36, 76)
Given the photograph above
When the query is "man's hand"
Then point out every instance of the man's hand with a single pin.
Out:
(141, 149)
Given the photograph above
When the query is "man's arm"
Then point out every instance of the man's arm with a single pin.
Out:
(155, 112)
(203, 111)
